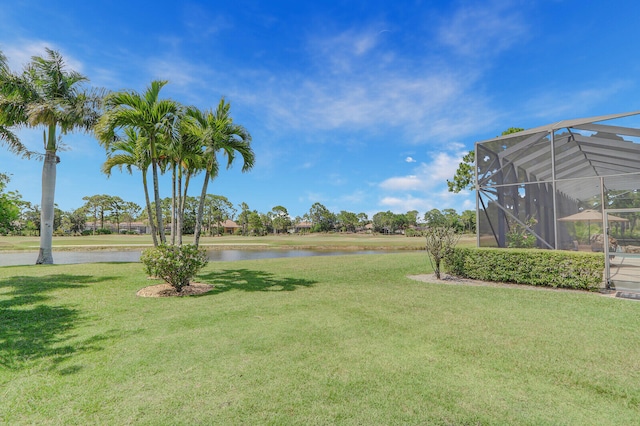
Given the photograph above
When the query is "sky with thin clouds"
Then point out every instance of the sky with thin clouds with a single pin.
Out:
(362, 106)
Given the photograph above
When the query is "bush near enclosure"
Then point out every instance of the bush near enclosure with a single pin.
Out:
(558, 269)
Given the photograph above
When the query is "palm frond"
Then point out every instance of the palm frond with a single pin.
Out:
(153, 91)
(120, 161)
(13, 144)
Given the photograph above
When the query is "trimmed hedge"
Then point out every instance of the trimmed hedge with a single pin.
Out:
(548, 268)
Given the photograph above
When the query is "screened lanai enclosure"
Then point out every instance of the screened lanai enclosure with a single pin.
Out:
(571, 185)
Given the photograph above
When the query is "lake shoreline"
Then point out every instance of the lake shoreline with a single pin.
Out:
(63, 257)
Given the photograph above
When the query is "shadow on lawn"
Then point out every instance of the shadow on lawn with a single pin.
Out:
(249, 280)
(32, 329)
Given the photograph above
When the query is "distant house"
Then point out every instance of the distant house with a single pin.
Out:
(301, 227)
(229, 227)
(137, 227)
(368, 228)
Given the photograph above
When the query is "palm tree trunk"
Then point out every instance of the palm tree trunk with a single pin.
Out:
(180, 209)
(203, 194)
(186, 186)
(156, 187)
(183, 202)
(45, 256)
(173, 205)
(156, 196)
(149, 211)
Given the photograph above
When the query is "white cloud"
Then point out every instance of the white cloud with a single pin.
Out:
(485, 29)
(344, 52)
(426, 188)
(468, 204)
(424, 109)
(545, 106)
(442, 167)
(106, 77)
(427, 175)
(406, 203)
(403, 183)
(457, 147)
(410, 160)
(20, 52)
(364, 86)
(176, 70)
(436, 200)
(203, 24)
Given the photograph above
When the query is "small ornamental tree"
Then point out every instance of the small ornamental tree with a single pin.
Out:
(176, 265)
(440, 243)
(519, 236)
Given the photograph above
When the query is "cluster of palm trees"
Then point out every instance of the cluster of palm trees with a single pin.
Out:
(138, 130)
(141, 131)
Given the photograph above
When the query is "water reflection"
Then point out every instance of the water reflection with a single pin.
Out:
(67, 257)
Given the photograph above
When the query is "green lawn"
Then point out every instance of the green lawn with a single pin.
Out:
(322, 340)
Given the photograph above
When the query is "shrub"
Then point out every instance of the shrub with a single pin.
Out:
(103, 231)
(440, 242)
(549, 268)
(87, 232)
(176, 265)
(413, 233)
(519, 237)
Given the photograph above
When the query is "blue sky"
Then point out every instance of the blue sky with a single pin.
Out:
(363, 106)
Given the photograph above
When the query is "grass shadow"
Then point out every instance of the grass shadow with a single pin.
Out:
(32, 328)
(250, 280)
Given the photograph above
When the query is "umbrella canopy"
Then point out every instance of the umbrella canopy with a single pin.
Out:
(591, 215)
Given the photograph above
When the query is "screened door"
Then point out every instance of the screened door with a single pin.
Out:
(622, 254)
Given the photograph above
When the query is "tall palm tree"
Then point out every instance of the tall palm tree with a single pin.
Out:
(175, 155)
(47, 95)
(154, 119)
(187, 161)
(216, 133)
(132, 150)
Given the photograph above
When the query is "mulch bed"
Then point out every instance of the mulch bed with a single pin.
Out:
(166, 290)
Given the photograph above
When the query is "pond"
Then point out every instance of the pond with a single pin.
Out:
(67, 257)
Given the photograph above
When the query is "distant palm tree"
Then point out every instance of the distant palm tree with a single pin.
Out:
(129, 151)
(157, 120)
(216, 132)
(46, 95)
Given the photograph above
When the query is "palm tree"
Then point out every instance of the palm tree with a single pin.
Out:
(47, 95)
(132, 151)
(187, 161)
(154, 119)
(216, 132)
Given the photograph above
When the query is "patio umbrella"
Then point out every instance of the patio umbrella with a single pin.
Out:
(590, 215)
